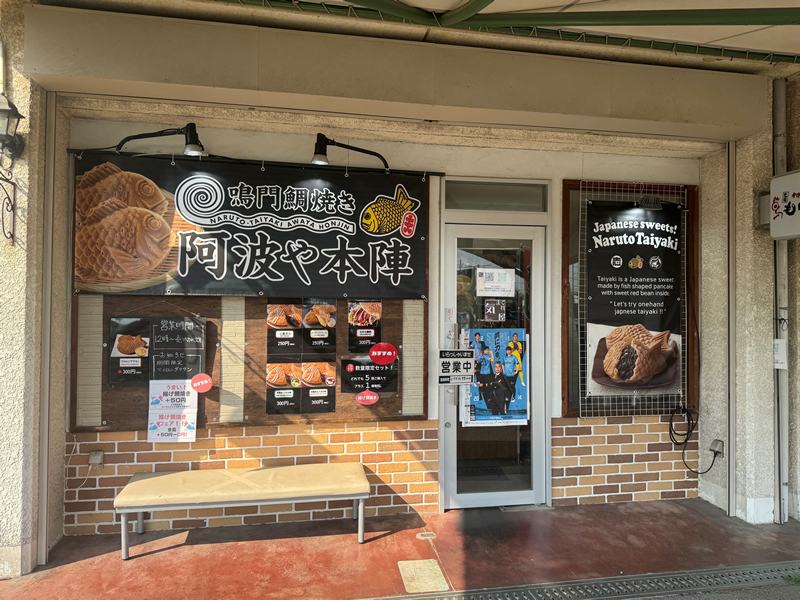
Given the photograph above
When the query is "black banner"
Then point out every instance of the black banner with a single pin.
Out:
(360, 374)
(634, 306)
(147, 226)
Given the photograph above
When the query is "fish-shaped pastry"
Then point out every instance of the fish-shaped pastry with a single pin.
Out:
(107, 181)
(120, 243)
(127, 344)
(384, 215)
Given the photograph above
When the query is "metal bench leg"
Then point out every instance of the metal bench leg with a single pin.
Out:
(361, 521)
(140, 522)
(124, 536)
(355, 509)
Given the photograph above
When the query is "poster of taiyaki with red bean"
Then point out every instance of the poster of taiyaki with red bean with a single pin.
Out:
(164, 225)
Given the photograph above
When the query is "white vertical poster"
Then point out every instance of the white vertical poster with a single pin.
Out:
(173, 411)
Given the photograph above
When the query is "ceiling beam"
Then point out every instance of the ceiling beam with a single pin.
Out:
(472, 7)
(733, 16)
(398, 9)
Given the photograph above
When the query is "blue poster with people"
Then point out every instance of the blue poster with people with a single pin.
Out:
(499, 395)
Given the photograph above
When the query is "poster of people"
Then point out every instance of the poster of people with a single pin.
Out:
(157, 226)
(499, 395)
(634, 306)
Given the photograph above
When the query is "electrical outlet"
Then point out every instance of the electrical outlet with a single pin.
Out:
(96, 459)
(718, 448)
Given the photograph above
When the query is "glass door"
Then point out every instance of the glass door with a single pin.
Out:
(494, 434)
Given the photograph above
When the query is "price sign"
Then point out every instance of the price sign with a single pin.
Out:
(494, 310)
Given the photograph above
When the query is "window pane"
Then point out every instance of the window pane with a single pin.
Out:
(500, 197)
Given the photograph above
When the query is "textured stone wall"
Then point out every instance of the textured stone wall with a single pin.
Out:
(401, 459)
(620, 459)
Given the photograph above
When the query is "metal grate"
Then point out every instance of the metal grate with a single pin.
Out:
(644, 586)
(637, 403)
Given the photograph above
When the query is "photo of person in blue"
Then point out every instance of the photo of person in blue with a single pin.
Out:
(497, 397)
(484, 370)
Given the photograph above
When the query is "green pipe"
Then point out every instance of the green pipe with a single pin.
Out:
(398, 9)
(472, 7)
(733, 16)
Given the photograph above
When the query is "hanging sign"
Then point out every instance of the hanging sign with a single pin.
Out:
(634, 271)
(456, 367)
(785, 206)
(144, 225)
(499, 394)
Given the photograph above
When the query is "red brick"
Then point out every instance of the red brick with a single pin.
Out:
(621, 498)
(620, 458)
(605, 489)
(578, 431)
(106, 447)
(109, 528)
(260, 519)
(408, 435)
(134, 446)
(208, 464)
(646, 476)
(556, 432)
(118, 459)
(577, 471)
(376, 458)
(95, 494)
(340, 504)
(633, 487)
(619, 420)
(343, 438)
(172, 467)
(79, 506)
(619, 439)
(578, 450)
(328, 514)
(79, 483)
(591, 500)
(659, 447)
(565, 481)
(188, 523)
(113, 481)
(676, 494)
(378, 500)
(301, 506)
(431, 434)
(311, 460)
(241, 510)
(646, 458)
(565, 441)
(558, 472)
(687, 484)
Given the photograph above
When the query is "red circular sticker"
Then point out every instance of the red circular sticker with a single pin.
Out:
(350, 368)
(383, 353)
(201, 383)
(367, 397)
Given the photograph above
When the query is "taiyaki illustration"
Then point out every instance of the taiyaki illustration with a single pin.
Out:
(630, 361)
(120, 243)
(639, 333)
(275, 375)
(127, 344)
(384, 215)
(106, 181)
(364, 313)
(276, 316)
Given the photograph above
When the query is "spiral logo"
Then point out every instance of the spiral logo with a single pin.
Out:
(198, 198)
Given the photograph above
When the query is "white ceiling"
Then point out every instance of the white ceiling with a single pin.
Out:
(781, 39)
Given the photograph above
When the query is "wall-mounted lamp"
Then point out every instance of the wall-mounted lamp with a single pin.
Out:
(321, 151)
(653, 203)
(192, 146)
(11, 144)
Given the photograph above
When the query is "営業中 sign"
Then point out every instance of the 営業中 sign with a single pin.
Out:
(456, 367)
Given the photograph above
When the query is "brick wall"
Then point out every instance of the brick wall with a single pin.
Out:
(401, 459)
(620, 459)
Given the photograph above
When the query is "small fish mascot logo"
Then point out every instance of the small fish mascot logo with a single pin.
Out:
(385, 215)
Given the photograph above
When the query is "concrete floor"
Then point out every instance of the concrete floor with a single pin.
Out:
(479, 548)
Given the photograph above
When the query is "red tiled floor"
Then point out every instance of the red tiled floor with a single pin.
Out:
(476, 548)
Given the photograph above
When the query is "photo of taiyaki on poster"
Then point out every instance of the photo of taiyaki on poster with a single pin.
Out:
(125, 231)
(363, 314)
(284, 375)
(129, 337)
(320, 314)
(319, 374)
(631, 358)
(385, 215)
(284, 316)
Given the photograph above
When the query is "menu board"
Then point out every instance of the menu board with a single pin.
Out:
(360, 374)
(301, 355)
(179, 347)
(364, 325)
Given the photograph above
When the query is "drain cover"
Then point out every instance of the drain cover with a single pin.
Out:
(421, 576)
(617, 588)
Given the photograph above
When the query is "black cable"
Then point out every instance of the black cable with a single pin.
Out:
(691, 425)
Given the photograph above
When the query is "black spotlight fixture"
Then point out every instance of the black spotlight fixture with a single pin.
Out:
(653, 203)
(321, 151)
(192, 145)
(11, 144)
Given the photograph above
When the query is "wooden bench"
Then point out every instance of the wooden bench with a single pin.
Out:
(220, 488)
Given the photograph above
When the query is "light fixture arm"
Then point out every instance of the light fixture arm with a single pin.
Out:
(357, 149)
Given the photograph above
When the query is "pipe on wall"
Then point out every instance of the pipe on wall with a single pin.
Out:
(732, 413)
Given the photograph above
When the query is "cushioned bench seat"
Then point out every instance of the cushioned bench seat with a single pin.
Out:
(218, 488)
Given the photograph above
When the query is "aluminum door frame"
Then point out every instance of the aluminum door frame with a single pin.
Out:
(448, 395)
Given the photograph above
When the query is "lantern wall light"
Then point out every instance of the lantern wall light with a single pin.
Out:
(11, 144)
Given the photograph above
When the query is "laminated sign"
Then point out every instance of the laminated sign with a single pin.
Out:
(634, 273)
(456, 367)
(172, 411)
(220, 228)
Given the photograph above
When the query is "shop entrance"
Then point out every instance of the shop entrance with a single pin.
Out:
(494, 433)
